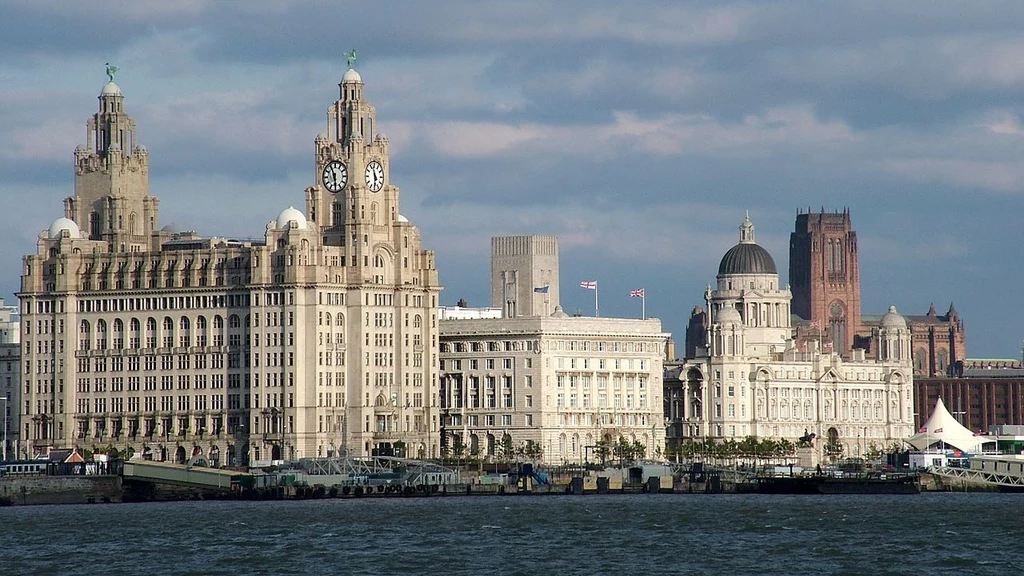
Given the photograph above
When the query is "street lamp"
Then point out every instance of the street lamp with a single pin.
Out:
(4, 398)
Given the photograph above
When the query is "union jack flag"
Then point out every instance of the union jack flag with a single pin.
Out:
(636, 293)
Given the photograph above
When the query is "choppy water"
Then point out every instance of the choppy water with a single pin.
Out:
(540, 535)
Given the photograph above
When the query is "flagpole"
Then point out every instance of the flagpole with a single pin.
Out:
(597, 311)
(643, 306)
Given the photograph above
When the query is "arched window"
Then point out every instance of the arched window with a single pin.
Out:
(151, 333)
(201, 331)
(118, 334)
(218, 331)
(101, 335)
(168, 333)
(85, 336)
(134, 329)
(185, 332)
(417, 321)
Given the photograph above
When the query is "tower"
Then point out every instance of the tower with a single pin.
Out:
(824, 275)
(748, 296)
(524, 275)
(387, 281)
(111, 200)
(353, 194)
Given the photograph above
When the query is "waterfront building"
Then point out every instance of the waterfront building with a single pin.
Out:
(316, 340)
(561, 383)
(824, 276)
(524, 275)
(985, 394)
(748, 376)
(517, 376)
(10, 380)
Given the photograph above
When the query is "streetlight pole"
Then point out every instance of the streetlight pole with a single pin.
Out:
(4, 398)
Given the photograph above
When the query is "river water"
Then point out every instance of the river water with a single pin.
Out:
(932, 533)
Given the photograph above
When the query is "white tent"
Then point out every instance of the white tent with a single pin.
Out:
(942, 429)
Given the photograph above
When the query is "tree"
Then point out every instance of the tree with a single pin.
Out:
(603, 450)
(638, 450)
(532, 450)
(458, 448)
(833, 448)
(507, 450)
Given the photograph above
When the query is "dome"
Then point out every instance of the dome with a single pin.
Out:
(111, 89)
(893, 319)
(60, 225)
(728, 315)
(402, 218)
(747, 257)
(289, 215)
(351, 76)
(173, 228)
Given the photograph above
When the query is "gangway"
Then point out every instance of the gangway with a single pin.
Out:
(1006, 471)
(185, 475)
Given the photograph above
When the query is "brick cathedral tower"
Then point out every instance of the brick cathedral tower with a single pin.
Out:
(825, 277)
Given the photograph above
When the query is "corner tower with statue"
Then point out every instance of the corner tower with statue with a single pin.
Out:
(747, 376)
(317, 340)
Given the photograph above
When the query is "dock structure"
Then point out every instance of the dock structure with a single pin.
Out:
(1002, 472)
(186, 476)
(375, 470)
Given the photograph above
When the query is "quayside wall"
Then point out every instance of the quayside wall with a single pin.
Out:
(60, 490)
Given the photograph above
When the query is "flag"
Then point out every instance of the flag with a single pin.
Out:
(636, 293)
(814, 324)
(922, 429)
(977, 433)
(589, 285)
(541, 290)
(937, 431)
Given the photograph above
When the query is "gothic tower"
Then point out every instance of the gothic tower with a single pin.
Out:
(112, 201)
(825, 277)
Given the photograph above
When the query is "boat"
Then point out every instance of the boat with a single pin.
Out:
(828, 484)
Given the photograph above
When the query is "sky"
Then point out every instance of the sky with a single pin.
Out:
(637, 132)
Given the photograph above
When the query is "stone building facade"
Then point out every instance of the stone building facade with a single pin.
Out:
(10, 379)
(748, 377)
(561, 383)
(524, 275)
(317, 340)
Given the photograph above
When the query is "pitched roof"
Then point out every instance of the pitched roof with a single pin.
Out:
(943, 429)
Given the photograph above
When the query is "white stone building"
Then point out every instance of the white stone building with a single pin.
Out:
(565, 383)
(10, 379)
(748, 379)
(319, 339)
(561, 383)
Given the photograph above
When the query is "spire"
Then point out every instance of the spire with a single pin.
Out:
(931, 310)
(952, 313)
(747, 229)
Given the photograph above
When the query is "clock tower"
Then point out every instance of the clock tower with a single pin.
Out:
(381, 289)
(353, 193)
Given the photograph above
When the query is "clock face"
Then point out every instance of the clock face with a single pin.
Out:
(374, 176)
(335, 175)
